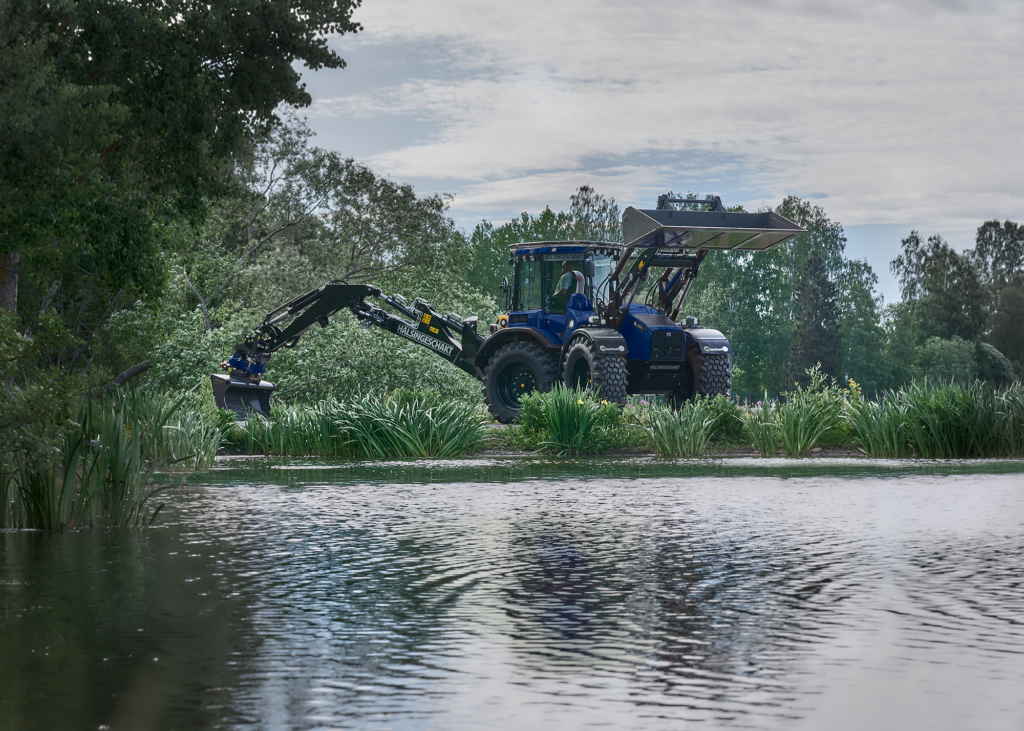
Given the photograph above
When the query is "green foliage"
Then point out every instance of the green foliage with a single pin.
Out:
(569, 421)
(108, 142)
(726, 418)
(591, 217)
(761, 426)
(947, 360)
(397, 425)
(880, 428)
(686, 432)
(192, 436)
(993, 367)
(36, 402)
(1006, 333)
(943, 286)
(816, 334)
(804, 420)
(934, 420)
(102, 475)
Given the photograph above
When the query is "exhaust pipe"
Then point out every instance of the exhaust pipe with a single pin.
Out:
(242, 396)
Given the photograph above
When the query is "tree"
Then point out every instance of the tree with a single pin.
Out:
(816, 335)
(591, 217)
(862, 339)
(942, 286)
(1006, 327)
(118, 116)
(947, 360)
(999, 253)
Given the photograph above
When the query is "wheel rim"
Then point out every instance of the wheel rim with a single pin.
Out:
(515, 381)
(579, 373)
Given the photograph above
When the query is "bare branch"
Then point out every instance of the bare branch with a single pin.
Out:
(202, 302)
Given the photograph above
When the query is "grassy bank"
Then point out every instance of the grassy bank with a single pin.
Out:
(100, 473)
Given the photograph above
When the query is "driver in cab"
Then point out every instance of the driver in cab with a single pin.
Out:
(566, 281)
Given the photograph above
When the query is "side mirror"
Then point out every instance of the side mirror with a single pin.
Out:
(504, 284)
(590, 268)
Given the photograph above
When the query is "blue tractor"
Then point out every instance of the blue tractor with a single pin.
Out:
(589, 314)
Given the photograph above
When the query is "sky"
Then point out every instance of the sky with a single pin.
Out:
(891, 116)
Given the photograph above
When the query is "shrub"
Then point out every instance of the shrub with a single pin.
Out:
(726, 418)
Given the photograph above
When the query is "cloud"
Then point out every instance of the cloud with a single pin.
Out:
(903, 113)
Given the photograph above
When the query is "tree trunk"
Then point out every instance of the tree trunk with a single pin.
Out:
(9, 266)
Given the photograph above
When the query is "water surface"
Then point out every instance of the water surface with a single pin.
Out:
(622, 594)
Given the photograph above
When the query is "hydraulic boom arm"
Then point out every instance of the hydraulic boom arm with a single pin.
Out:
(453, 338)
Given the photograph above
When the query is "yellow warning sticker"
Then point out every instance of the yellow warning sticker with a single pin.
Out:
(426, 319)
(433, 330)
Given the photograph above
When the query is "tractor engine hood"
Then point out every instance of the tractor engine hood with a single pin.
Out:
(706, 229)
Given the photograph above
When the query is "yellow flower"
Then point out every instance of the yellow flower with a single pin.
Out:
(605, 402)
(580, 402)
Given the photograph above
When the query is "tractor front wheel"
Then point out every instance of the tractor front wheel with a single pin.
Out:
(601, 373)
(710, 374)
(513, 371)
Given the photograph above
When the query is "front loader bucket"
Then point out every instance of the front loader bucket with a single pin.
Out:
(242, 397)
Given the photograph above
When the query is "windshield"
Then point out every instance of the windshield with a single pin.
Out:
(548, 284)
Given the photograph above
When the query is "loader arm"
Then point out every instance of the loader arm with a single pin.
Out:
(244, 389)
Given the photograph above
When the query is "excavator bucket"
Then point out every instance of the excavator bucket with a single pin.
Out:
(242, 396)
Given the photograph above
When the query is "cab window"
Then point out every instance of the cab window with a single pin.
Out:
(529, 292)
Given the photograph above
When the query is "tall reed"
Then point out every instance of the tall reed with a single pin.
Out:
(102, 476)
(761, 425)
(382, 427)
(684, 433)
(397, 425)
(942, 421)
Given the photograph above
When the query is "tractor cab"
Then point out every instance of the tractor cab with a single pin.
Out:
(558, 286)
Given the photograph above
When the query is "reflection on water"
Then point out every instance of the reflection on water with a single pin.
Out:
(289, 595)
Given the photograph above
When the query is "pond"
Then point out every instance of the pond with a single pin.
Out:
(511, 594)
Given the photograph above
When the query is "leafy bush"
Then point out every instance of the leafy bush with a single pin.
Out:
(726, 418)
(947, 360)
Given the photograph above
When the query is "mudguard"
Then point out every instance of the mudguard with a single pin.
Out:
(510, 335)
(605, 340)
(710, 341)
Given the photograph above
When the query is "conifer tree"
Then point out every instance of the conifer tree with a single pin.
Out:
(816, 334)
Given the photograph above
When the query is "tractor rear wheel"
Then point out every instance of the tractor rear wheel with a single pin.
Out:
(513, 371)
(711, 376)
(601, 373)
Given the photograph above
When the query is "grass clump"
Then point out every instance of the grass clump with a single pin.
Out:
(569, 421)
(100, 475)
(383, 427)
(398, 425)
(942, 421)
(686, 432)
(761, 425)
